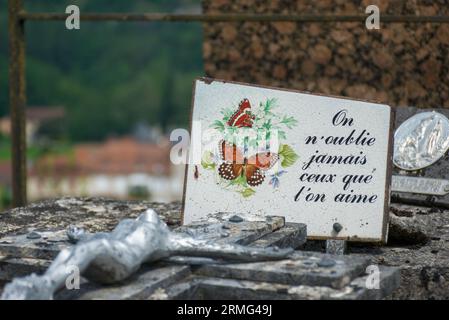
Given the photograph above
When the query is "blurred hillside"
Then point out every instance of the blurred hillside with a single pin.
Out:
(109, 76)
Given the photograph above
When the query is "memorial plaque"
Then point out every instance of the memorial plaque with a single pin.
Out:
(408, 184)
(421, 141)
(260, 151)
(438, 170)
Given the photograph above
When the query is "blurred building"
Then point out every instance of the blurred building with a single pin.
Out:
(120, 168)
(36, 118)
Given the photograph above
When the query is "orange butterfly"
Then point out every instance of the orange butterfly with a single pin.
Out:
(236, 164)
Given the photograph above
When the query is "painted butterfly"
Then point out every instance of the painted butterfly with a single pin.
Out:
(236, 164)
(243, 116)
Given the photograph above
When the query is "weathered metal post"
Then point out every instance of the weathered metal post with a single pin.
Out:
(17, 101)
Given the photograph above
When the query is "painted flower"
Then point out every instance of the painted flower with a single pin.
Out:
(255, 127)
(274, 181)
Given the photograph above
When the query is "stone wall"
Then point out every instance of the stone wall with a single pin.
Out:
(400, 64)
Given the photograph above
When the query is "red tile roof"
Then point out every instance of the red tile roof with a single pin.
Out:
(114, 157)
(44, 113)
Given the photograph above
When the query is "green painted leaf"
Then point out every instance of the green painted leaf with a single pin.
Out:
(290, 122)
(217, 124)
(288, 155)
(268, 135)
(240, 181)
(269, 105)
(207, 161)
(208, 166)
(232, 130)
(281, 135)
(248, 192)
(227, 113)
(267, 124)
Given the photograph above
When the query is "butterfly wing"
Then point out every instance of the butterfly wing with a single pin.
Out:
(254, 176)
(230, 153)
(244, 104)
(232, 166)
(257, 164)
(243, 121)
(230, 171)
(264, 160)
(242, 117)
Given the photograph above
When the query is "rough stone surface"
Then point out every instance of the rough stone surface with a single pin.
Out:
(400, 64)
(139, 286)
(231, 230)
(219, 288)
(336, 246)
(295, 271)
(292, 235)
(418, 244)
(93, 214)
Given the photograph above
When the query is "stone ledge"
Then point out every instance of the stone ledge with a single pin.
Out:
(93, 214)
(418, 236)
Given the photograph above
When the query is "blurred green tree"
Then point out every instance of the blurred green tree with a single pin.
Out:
(109, 75)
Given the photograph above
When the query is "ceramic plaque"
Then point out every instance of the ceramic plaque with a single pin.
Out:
(258, 151)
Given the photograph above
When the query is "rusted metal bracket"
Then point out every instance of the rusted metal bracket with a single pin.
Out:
(232, 17)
